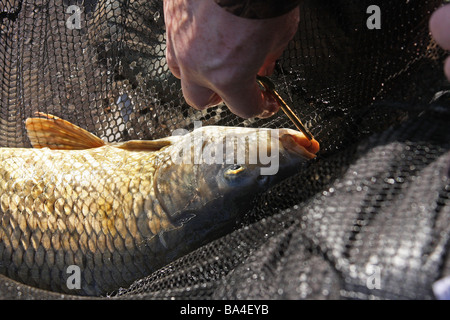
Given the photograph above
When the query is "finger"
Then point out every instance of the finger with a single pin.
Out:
(172, 61)
(269, 64)
(197, 96)
(447, 68)
(267, 68)
(271, 105)
(289, 24)
(247, 100)
(440, 26)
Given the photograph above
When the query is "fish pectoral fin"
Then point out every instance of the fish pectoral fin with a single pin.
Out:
(161, 239)
(143, 145)
(55, 133)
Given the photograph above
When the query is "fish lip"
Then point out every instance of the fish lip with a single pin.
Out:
(296, 142)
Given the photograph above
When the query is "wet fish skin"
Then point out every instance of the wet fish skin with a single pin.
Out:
(60, 209)
(118, 212)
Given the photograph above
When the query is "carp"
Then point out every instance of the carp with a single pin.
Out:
(116, 212)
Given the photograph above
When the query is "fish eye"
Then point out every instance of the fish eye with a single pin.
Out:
(234, 171)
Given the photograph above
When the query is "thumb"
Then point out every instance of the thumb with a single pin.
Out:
(439, 26)
(269, 63)
(447, 68)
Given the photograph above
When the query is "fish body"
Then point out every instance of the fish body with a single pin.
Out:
(116, 213)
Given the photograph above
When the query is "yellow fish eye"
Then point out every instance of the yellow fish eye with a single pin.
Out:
(234, 170)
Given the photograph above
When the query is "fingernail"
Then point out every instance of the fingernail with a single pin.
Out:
(265, 114)
(214, 100)
(271, 106)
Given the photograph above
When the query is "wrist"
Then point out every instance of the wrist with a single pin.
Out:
(258, 9)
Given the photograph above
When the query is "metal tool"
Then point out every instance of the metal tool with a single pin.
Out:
(270, 87)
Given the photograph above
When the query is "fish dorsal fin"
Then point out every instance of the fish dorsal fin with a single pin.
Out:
(143, 145)
(55, 133)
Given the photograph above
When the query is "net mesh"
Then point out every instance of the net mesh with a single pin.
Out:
(369, 218)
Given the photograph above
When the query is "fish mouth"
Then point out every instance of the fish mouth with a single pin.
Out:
(296, 142)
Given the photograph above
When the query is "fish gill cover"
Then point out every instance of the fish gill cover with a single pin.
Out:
(368, 218)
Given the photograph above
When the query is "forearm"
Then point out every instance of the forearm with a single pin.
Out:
(258, 9)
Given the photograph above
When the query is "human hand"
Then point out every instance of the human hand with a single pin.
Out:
(217, 55)
(440, 30)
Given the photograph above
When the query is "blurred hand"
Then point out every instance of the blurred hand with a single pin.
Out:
(440, 29)
(217, 55)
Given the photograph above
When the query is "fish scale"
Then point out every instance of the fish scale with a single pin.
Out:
(67, 213)
(118, 212)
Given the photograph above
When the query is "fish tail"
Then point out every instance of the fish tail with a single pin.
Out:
(55, 133)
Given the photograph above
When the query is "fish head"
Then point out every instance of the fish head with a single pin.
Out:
(206, 180)
(215, 172)
(259, 158)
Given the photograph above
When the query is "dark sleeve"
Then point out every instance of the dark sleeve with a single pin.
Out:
(258, 9)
